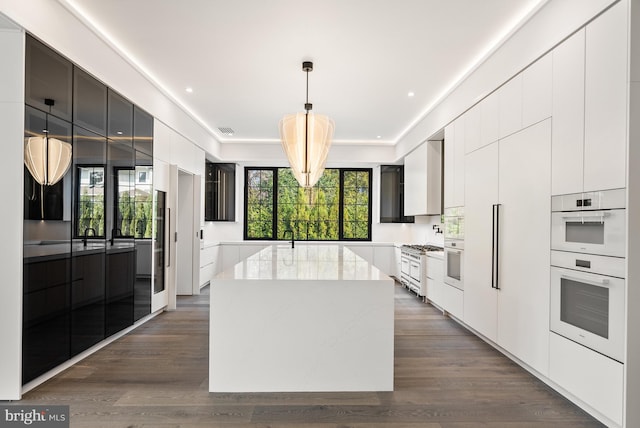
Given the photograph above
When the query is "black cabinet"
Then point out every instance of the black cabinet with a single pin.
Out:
(219, 192)
(142, 131)
(120, 280)
(392, 195)
(44, 202)
(48, 77)
(143, 233)
(89, 102)
(75, 295)
(120, 117)
(87, 299)
(45, 340)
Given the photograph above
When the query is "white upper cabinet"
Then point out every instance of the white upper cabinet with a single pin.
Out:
(449, 142)
(454, 144)
(590, 76)
(489, 120)
(458, 162)
(536, 91)
(472, 129)
(510, 107)
(422, 180)
(568, 116)
(606, 100)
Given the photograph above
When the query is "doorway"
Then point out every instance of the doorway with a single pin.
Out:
(188, 242)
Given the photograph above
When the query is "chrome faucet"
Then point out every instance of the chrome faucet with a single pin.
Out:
(86, 234)
(284, 235)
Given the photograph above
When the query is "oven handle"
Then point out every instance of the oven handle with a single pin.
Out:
(601, 283)
(454, 251)
(495, 246)
(597, 215)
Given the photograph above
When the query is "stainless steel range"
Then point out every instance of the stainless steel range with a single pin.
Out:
(413, 267)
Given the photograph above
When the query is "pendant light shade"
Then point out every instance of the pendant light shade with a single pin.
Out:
(47, 159)
(306, 139)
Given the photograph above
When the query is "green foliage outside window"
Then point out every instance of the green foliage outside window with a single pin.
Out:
(311, 213)
(91, 214)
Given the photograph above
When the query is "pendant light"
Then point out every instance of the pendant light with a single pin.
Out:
(47, 159)
(306, 138)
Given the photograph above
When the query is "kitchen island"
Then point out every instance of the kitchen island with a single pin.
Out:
(316, 317)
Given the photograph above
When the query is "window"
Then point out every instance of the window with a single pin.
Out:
(90, 200)
(134, 202)
(338, 207)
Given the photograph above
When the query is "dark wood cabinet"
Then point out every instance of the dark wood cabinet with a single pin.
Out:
(392, 195)
(219, 192)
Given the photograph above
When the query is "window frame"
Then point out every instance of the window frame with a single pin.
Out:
(275, 192)
(77, 200)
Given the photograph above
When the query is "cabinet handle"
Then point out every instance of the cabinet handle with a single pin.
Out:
(495, 247)
(168, 240)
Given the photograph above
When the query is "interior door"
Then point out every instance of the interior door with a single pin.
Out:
(184, 247)
(525, 257)
(481, 192)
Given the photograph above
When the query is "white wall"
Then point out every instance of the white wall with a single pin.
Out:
(12, 126)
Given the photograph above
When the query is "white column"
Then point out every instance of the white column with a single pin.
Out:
(12, 41)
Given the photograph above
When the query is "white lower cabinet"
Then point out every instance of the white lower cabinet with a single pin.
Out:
(384, 259)
(507, 219)
(591, 377)
(452, 300)
(397, 257)
(208, 263)
(435, 279)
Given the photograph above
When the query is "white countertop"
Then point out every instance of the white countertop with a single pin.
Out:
(304, 262)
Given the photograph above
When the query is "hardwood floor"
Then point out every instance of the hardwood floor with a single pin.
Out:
(445, 377)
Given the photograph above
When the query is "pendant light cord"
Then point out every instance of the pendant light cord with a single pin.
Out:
(307, 107)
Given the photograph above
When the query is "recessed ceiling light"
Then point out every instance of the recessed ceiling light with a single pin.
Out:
(379, 136)
(410, 94)
(119, 132)
(189, 89)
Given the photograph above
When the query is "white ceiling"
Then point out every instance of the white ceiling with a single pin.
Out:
(243, 57)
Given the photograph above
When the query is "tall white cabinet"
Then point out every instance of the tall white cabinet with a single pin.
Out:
(515, 173)
(481, 186)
